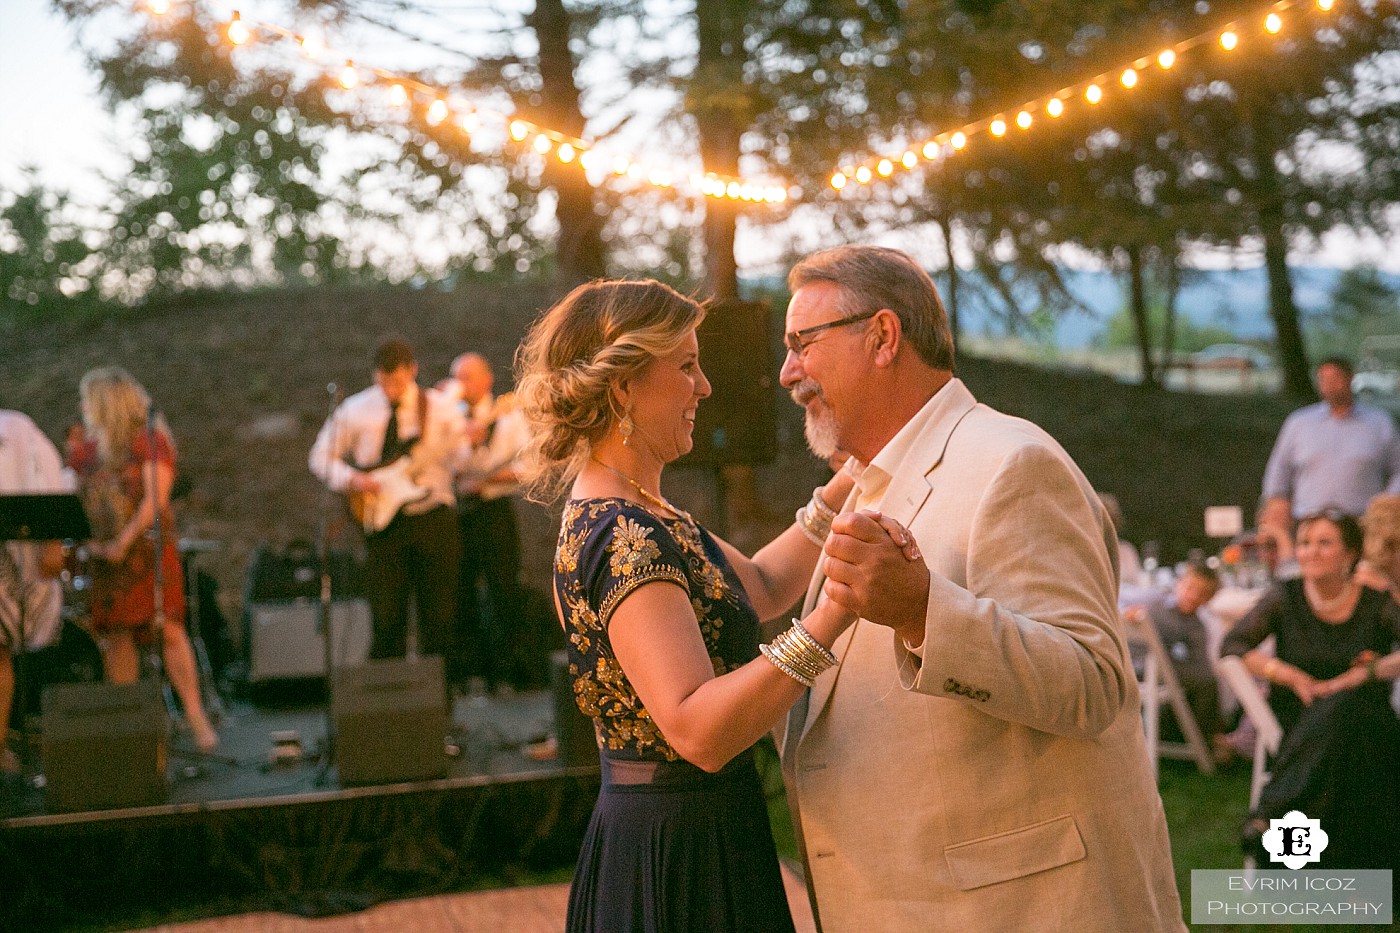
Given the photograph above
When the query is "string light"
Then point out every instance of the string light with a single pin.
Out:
(863, 175)
(931, 150)
(885, 168)
(838, 181)
(404, 89)
(238, 31)
(911, 159)
(1093, 90)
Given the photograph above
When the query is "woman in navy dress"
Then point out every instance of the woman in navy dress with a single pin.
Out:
(662, 621)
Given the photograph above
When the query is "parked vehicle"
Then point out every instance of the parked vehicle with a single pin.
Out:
(1378, 368)
(1231, 356)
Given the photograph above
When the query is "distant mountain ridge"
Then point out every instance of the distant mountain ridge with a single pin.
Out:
(1234, 299)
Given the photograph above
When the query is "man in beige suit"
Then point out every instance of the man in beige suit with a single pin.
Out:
(976, 761)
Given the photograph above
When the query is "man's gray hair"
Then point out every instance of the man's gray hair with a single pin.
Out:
(876, 277)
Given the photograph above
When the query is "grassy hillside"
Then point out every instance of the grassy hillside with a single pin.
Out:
(242, 380)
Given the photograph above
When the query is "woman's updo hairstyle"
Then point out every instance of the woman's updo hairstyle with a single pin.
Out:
(599, 335)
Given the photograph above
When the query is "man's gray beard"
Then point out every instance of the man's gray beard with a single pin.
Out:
(820, 429)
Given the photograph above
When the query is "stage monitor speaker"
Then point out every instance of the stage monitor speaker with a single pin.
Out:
(104, 746)
(738, 422)
(390, 721)
(578, 743)
(284, 638)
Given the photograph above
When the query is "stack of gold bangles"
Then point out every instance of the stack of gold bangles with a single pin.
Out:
(797, 654)
(815, 519)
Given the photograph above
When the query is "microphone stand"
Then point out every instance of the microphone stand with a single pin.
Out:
(327, 753)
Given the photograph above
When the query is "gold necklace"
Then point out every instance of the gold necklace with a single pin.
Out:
(646, 494)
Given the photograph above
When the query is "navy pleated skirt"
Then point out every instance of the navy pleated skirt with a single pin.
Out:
(671, 849)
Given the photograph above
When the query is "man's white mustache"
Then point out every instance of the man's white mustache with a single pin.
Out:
(805, 391)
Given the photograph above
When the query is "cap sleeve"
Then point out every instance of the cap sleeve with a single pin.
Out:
(628, 549)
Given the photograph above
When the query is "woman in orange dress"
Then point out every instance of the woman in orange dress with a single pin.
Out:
(125, 473)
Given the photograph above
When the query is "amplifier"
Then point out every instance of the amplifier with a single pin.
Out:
(104, 746)
(284, 638)
(390, 721)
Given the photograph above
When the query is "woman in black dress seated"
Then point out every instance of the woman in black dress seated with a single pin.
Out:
(1339, 761)
(662, 620)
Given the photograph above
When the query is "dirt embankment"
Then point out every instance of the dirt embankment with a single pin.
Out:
(242, 380)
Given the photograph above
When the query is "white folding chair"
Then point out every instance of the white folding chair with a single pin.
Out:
(1157, 685)
(1268, 732)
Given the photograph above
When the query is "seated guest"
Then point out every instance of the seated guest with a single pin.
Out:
(1130, 573)
(1339, 761)
(30, 597)
(1184, 635)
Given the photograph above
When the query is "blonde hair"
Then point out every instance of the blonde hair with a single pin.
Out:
(601, 334)
(114, 412)
(1381, 546)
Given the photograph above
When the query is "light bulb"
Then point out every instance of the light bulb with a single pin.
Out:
(885, 167)
(437, 111)
(998, 127)
(519, 130)
(1023, 119)
(959, 140)
(838, 181)
(1093, 93)
(566, 153)
(911, 159)
(863, 175)
(238, 31)
(930, 150)
(1166, 59)
(158, 7)
(398, 95)
(543, 144)
(1055, 107)
(1129, 78)
(1228, 40)
(1273, 23)
(349, 77)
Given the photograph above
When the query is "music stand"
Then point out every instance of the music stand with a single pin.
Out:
(35, 517)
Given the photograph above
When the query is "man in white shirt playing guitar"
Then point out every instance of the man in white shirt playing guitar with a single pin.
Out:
(391, 449)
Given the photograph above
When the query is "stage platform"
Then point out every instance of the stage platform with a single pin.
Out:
(241, 833)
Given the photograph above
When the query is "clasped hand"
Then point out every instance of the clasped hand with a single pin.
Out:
(874, 568)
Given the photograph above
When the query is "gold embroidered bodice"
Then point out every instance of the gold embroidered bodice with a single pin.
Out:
(607, 549)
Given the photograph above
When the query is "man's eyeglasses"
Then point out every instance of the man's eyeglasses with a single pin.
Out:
(798, 341)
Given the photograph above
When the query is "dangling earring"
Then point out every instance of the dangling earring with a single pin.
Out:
(625, 427)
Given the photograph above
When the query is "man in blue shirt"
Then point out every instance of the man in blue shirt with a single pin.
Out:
(1334, 453)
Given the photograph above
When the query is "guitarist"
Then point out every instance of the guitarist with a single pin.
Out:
(486, 484)
(416, 552)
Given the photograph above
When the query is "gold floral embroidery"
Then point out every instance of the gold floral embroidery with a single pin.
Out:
(631, 548)
(601, 689)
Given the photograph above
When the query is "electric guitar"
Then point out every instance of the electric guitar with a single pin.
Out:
(375, 510)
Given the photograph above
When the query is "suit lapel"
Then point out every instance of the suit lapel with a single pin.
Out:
(907, 493)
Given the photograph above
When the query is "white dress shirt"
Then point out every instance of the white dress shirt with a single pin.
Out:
(504, 443)
(29, 463)
(353, 436)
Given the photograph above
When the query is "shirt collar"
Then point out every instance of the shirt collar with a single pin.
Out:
(882, 467)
